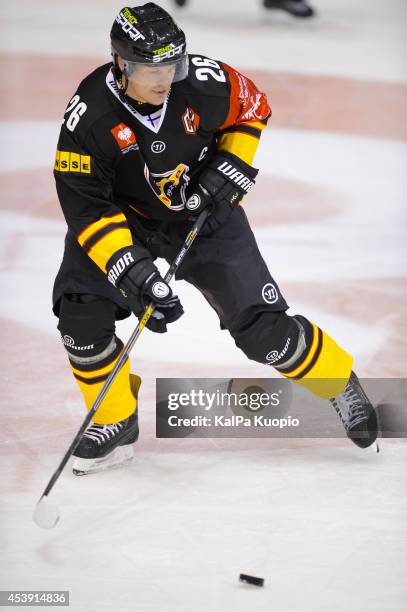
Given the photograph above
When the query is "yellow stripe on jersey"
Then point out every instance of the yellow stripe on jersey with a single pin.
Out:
(104, 248)
(98, 225)
(240, 144)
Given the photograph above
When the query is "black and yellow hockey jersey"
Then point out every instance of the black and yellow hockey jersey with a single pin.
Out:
(114, 162)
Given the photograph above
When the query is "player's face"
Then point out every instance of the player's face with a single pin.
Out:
(151, 83)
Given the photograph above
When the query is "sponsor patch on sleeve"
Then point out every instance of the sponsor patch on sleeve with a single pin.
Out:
(67, 161)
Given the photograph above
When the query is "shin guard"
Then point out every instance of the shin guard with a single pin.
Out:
(87, 326)
(299, 350)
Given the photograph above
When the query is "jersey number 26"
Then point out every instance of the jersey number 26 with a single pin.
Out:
(205, 68)
(76, 109)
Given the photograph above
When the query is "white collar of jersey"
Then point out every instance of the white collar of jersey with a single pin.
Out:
(153, 122)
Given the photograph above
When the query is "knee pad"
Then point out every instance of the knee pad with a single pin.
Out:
(273, 338)
(87, 326)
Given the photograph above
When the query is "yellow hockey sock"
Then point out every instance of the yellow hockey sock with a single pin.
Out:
(326, 368)
(121, 399)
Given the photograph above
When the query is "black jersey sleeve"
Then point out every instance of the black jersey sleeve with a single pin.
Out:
(84, 173)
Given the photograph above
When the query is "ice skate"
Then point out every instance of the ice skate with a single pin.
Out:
(356, 413)
(108, 446)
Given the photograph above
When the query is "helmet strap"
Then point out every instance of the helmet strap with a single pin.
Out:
(124, 82)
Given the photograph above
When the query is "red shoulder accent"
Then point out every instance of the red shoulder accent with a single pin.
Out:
(247, 103)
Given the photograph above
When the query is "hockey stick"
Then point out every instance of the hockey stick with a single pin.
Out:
(47, 515)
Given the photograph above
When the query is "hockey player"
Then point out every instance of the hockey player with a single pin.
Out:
(147, 142)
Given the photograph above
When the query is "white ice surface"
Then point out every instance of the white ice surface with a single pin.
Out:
(325, 528)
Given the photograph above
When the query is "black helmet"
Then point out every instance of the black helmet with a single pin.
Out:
(148, 35)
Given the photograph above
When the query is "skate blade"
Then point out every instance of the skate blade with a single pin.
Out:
(118, 457)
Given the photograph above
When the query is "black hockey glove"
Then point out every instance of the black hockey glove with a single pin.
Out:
(223, 183)
(133, 272)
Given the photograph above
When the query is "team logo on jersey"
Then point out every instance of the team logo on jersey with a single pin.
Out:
(169, 187)
(125, 138)
(158, 146)
(190, 121)
(269, 293)
(66, 161)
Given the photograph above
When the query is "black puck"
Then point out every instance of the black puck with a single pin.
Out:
(251, 580)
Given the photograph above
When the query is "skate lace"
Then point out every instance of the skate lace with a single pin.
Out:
(350, 409)
(103, 433)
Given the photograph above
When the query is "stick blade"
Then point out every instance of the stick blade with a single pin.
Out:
(46, 515)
